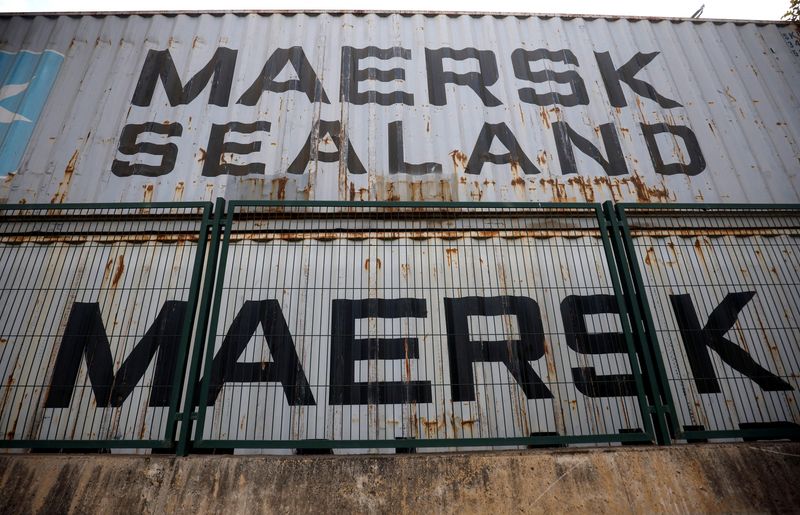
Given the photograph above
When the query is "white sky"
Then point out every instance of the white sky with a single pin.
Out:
(736, 9)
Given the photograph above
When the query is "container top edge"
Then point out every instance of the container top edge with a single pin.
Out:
(398, 12)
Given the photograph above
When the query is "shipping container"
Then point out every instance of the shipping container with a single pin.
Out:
(382, 106)
(542, 319)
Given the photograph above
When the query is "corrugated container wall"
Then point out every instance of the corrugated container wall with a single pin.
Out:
(397, 107)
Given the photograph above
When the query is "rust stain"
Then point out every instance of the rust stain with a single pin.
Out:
(202, 153)
(559, 189)
(551, 366)
(650, 256)
(450, 254)
(729, 94)
(698, 246)
(63, 187)
(645, 193)
(404, 269)
(416, 191)
(352, 192)
(148, 192)
(585, 185)
(431, 426)
(407, 359)
(378, 262)
(179, 188)
(459, 158)
(3, 341)
(279, 187)
(476, 192)
(469, 424)
(391, 195)
(118, 272)
(107, 272)
(544, 117)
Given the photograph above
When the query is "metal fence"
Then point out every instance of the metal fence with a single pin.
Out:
(97, 303)
(718, 289)
(427, 325)
(318, 325)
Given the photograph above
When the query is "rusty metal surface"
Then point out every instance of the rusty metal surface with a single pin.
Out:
(396, 257)
(741, 282)
(735, 83)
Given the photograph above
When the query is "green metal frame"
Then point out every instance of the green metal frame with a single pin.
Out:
(186, 418)
(665, 413)
(173, 416)
(207, 339)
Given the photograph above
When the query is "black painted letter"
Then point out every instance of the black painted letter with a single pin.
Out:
(85, 336)
(159, 65)
(478, 82)
(574, 309)
(397, 163)
(351, 76)
(285, 367)
(306, 82)
(346, 350)
(514, 354)
(521, 60)
(720, 321)
(217, 146)
(626, 73)
(129, 147)
(697, 162)
(566, 137)
(481, 153)
(328, 131)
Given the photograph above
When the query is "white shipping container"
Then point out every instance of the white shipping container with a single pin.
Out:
(405, 106)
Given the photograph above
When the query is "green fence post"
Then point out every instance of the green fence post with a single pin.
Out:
(633, 291)
(188, 413)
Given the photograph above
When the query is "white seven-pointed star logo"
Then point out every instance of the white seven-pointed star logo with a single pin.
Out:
(9, 91)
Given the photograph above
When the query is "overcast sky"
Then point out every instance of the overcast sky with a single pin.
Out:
(737, 9)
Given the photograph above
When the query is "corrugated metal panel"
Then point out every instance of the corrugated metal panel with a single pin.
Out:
(735, 83)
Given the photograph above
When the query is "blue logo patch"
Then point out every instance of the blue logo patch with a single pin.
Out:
(25, 82)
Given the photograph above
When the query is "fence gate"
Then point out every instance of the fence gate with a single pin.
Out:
(96, 312)
(417, 325)
(719, 287)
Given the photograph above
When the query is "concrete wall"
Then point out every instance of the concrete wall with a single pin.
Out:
(691, 478)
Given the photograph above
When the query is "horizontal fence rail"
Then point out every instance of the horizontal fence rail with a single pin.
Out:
(318, 325)
(720, 290)
(432, 325)
(97, 308)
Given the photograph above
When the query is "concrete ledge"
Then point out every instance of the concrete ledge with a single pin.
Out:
(691, 478)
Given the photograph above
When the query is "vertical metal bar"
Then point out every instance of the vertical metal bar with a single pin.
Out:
(657, 377)
(210, 338)
(201, 315)
(603, 222)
